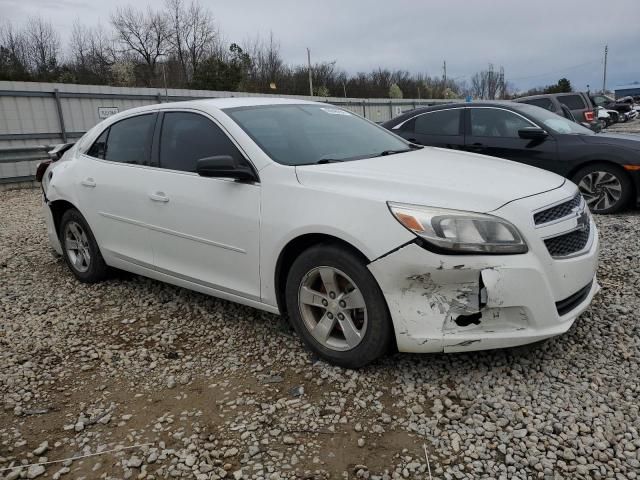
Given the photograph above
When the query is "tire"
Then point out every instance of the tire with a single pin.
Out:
(79, 248)
(606, 187)
(345, 334)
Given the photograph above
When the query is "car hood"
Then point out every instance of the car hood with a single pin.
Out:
(631, 141)
(434, 177)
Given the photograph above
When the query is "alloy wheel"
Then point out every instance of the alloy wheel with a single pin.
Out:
(332, 308)
(76, 245)
(601, 190)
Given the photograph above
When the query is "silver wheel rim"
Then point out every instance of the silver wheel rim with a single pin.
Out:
(600, 190)
(76, 245)
(332, 308)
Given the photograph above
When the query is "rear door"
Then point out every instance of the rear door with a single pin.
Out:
(205, 230)
(112, 185)
(437, 128)
(494, 131)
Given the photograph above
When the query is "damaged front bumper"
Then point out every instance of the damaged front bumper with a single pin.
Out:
(457, 303)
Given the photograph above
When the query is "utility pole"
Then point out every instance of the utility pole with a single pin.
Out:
(310, 81)
(344, 87)
(444, 77)
(164, 79)
(604, 76)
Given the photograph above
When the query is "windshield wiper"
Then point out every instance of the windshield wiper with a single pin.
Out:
(328, 160)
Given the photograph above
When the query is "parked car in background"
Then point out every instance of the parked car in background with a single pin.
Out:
(578, 102)
(606, 167)
(366, 241)
(604, 101)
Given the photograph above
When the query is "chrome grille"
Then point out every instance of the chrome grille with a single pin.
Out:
(559, 211)
(568, 243)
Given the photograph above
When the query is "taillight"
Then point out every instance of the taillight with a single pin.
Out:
(588, 116)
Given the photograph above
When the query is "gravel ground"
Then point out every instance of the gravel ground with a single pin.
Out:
(155, 381)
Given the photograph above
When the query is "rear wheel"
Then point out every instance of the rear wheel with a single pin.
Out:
(337, 308)
(605, 187)
(79, 248)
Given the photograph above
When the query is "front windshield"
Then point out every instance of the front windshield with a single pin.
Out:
(306, 134)
(555, 122)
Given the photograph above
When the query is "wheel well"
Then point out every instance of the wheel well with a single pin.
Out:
(608, 164)
(58, 207)
(293, 249)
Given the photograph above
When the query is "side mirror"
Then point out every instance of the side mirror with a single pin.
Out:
(224, 166)
(533, 133)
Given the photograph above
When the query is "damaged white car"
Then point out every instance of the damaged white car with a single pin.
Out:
(365, 241)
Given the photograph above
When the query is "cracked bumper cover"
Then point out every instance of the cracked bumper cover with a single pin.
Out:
(516, 296)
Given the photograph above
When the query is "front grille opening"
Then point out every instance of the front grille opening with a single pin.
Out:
(569, 243)
(559, 211)
(565, 306)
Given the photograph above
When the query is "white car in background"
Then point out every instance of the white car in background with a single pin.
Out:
(367, 242)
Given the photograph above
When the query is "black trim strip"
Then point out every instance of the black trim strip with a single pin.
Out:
(565, 306)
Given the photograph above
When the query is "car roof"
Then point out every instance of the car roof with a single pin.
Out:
(214, 104)
(444, 106)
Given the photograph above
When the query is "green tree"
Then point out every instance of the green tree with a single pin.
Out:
(563, 86)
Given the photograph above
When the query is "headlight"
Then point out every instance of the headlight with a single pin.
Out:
(460, 232)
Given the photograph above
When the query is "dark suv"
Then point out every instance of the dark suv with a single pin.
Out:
(578, 103)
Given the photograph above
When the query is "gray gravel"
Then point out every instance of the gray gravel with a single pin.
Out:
(181, 385)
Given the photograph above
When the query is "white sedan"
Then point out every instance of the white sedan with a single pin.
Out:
(367, 242)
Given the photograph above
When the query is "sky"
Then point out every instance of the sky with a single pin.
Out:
(536, 42)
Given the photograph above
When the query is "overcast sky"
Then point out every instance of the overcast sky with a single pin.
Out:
(537, 42)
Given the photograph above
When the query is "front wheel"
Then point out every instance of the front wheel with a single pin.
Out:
(606, 188)
(337, 307)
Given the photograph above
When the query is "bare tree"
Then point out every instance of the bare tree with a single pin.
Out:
(144, 33)
(193, 35)
(42, 48)
(488, 84)
(92, 53)
(13, 55)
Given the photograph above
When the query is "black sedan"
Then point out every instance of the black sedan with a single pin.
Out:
(606, 167)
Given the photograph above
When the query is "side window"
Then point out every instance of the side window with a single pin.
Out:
(493, 122)
(129, 140)
(188, 137)
(545, 103)
(442, 122)
(99, 147)
(574, 102)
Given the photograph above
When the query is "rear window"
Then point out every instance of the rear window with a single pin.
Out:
(440, 122)
(545, 103)
(574, 102)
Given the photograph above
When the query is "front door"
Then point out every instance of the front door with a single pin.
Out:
(204, 230)
(494, 131)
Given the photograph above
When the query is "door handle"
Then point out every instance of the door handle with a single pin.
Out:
(88, 182)
(159, 197)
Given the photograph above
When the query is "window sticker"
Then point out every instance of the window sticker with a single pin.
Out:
(335, 111)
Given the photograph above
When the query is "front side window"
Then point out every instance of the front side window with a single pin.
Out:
(305, 134)
(441, 122)
(554, 122)
(574, 102)
(493, 122)
(129, 140)
(188, 137)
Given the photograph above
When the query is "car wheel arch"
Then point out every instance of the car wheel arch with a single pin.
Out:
(294, 248)
(592, 163)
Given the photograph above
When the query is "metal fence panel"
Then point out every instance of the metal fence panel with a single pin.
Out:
(36, 115)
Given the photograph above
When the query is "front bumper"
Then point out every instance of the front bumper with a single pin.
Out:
(458, 303)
